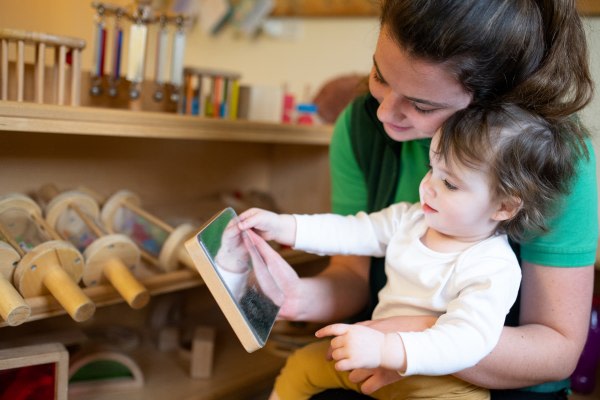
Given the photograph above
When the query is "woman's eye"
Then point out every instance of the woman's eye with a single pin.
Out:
(449, 186)
(423, 110)
(378, 77)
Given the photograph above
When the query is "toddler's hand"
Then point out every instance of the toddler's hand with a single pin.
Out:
(269, 225)
(359, 346)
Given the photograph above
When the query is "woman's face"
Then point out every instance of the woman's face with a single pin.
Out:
(415, 97)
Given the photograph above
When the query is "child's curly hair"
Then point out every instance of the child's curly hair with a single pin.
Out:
(527, 158)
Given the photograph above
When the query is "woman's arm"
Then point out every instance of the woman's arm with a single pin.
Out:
(554, 321)
(340, 291)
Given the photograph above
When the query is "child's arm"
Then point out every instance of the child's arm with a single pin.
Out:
(269, 225)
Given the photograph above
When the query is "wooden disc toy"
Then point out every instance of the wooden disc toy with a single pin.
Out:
(13, 307)
(47, 265)
(113, 258)
(109, 258)
(161, 244)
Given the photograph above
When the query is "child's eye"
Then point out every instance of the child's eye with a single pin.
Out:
(449, 186)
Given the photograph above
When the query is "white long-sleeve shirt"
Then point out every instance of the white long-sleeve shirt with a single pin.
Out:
(470, 291)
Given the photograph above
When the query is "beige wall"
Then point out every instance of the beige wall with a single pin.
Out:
(322, 48)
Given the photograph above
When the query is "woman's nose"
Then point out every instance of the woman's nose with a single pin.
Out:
(390, 108)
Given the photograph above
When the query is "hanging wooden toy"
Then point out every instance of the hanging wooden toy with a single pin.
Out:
(115, 74)
(99, 51)
(13, 308)
(47, 263)
(138, 34)
(161, 244)
(109, 258)
(177, 59)
(160, 61)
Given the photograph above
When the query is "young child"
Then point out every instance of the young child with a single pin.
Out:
(493, 174)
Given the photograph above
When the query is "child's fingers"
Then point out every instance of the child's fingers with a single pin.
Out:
(344, 365)
(332, 330)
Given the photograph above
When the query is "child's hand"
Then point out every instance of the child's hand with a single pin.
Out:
(269, 225)
(358, 346)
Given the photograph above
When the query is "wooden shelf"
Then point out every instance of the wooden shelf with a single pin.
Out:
(30, 117)
(156, 283)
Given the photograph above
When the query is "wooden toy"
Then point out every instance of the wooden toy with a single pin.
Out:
(167, 338)
(160, 244)
(221, 100)
(62, 46)
(109, 258)
(203, 348)
(103, 370)
(237, 277)
(142, 16)
(40, 369)
(47, 263)
(13, 307)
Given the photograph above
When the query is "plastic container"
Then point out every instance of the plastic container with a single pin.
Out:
(583, 379)
(306, 114)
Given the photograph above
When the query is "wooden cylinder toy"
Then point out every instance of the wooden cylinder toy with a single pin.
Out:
(161, 244)
(111, 258)
(13, 307)
(47, 264)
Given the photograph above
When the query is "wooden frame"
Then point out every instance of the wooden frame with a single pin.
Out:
(38, 355)
(329, 8)
(588, 7)
(369, 8)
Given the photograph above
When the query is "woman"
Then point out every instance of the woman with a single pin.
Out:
(431, 60)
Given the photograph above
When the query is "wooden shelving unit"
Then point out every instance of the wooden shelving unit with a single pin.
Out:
(178, 166)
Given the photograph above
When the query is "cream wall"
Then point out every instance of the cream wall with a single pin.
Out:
(321, 49)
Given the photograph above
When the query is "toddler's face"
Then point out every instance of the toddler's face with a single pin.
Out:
(456, 198)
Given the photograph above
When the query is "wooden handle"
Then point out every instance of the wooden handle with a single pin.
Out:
(68, 294)
(134, 293)
(13, 308)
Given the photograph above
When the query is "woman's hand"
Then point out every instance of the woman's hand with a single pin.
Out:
(270, 226)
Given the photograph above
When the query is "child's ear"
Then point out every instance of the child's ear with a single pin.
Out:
(508, 208)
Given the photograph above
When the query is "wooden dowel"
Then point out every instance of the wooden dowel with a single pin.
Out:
(68, 294)
(4, 58)
(62, 60)
(75, 77)
(144, 214)
(7, 237)
(134, 293)
(13, 308)
(40, 66)
(89, 222)
(20, 69)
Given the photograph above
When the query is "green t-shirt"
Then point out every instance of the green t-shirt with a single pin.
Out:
(573, 235)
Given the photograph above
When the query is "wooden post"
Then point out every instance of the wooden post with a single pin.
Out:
(20, 69)
(62, 60)
(4, 60)
(40, 66)
(75, 77)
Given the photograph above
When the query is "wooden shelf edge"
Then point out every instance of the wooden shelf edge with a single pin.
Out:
(105, 295)
(53, 119)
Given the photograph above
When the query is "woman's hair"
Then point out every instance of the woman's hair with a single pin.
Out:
(532, 53)
(526, 158)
